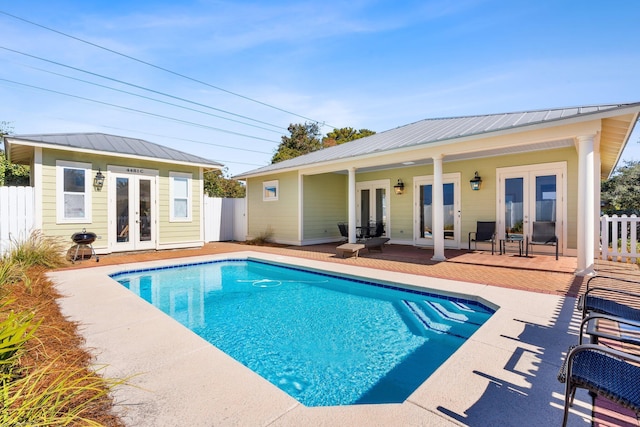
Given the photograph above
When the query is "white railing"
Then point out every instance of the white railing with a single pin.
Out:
(17, 215)
(619, 238)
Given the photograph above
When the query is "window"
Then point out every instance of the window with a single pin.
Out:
(269, 191)
(73, 192)
(180, 198)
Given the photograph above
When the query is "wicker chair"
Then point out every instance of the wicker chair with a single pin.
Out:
(606, 298)
(604, 371)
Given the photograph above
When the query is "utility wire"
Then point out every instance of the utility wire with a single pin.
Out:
(142, 112)
(166, 70)
(149, 98)
(194, 141)
(135, 86)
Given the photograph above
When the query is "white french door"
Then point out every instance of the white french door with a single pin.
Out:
(423, 202)
(528, 194)
(132, 209)
(372, 204)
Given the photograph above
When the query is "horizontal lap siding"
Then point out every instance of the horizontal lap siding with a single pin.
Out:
(278, 218)
(325, 204)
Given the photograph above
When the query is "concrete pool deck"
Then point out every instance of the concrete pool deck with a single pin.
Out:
(504, 375)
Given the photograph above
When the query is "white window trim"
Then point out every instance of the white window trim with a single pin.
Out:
(189, 178)
(266, 184)
(61, 165)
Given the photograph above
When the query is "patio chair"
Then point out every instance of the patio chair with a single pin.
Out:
(485, 232)
(544, 233)
(378, 229)
(603, 370)
(609, 373)
(607, 299)
(343, 230)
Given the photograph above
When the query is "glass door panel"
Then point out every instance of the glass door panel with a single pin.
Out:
(144, 207)
(514, 208)
(122, 210)
(545, 198)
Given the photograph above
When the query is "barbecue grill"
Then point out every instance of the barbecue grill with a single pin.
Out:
(82, 241)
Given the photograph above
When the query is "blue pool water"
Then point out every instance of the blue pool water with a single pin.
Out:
(323, 339)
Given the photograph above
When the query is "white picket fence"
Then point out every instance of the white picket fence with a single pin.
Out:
(619, 238)
(17, 215)
(224, 219)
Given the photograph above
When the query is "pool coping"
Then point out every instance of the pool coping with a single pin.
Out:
(504, 374)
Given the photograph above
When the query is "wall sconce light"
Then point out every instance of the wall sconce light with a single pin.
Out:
(475, 182)
(399, 187)
(98, 181)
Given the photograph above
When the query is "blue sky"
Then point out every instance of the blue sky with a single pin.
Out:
(255, 67)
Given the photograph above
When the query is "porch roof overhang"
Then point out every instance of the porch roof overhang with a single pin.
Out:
(20, 149)
(472, 138)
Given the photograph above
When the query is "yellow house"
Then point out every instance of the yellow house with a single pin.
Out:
(430, 182)
(133, 194)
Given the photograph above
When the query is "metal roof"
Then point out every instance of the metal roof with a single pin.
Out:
(437, 130)
(114, 145)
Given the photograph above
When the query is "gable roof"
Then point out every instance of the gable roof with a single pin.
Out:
(452, 129)
(20, 147)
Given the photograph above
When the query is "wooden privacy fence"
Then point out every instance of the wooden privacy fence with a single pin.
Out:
(17, 215)
(619, 237)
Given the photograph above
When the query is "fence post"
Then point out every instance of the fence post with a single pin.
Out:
(604, 237)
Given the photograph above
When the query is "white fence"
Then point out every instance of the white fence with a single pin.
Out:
(619, 238)
(224, 219)
(17, 215)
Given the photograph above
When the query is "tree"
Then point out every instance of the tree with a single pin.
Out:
(11, 174)
(620, 193)
(217, 184)
(342, 135)
(303, 139)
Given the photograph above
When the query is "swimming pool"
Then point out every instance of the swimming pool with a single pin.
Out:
(323, 339)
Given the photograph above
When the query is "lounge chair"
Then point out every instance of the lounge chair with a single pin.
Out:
(544, 233)
(375, 243)
(604, 295)
(485, 232)
(610, 373)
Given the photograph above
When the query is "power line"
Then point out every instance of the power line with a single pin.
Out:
(39, 58)
(166, 70)
(140, 111)
(149, 98)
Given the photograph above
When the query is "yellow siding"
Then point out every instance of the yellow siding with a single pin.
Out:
(168, 233)
(325, 204)
(277, 218)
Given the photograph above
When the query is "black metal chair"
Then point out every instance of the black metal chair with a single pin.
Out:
(544, 233)
(344, 232)
(485, 232)
(604, 371)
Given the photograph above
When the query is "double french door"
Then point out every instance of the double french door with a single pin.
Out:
(371, 206)
(132, 210)
(530, 194)
(423, 190)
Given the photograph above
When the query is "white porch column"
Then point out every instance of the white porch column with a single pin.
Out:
(586, 208)
(352, 205)
(437, 212)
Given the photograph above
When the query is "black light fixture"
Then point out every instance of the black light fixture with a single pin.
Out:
(98, 181)
(399, 187)
(475, 182)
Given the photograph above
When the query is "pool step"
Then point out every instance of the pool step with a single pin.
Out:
(428, 317)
